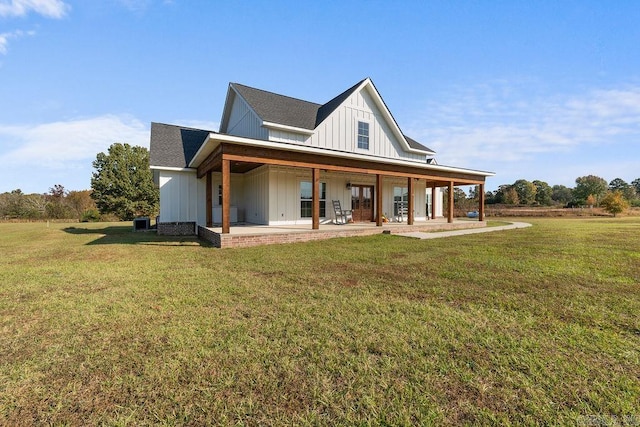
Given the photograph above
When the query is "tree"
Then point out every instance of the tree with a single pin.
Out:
(15, 204)
(561, 194)
(500, 193)
(490, 197)
(80, 202)
(614, 202)
(591, 184)
(543, 193)
(459, 198)
(474, 193)
(636, 184)
(123, 183)
(618, 184)
(510, 197)
(526, 191)
(56, 207)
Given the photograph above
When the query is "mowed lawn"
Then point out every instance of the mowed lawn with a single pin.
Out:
(99, 325)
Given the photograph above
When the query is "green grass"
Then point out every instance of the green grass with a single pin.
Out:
(99, 325)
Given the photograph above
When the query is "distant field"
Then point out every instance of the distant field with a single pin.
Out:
(99, 325)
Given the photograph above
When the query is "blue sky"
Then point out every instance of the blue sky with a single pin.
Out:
(545, 90)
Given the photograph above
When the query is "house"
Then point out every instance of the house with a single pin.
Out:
(278, 160)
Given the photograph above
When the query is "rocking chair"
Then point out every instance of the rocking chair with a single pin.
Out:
(341, 215)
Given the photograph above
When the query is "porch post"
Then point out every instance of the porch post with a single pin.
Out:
(378, 200)
(315, 199)
(433, 201)
(411, 200)
(450, 207)
(226, 199)
(209, 215)
(481, 202)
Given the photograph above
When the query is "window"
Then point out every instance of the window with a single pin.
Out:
(220, 195)
(400, 200)
(306, 202)
(363, 135)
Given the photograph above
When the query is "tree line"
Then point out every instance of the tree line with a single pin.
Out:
(589, 191)
(122, 188)
(58, 203)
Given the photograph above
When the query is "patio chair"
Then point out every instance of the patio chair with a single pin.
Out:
(402, 212)
(340, 215)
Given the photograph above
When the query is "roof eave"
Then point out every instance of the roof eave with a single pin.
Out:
(286, 128)
(214, 139)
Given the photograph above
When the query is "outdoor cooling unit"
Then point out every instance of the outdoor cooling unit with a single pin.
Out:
(141, 224)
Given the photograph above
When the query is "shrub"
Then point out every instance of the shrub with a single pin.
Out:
(90, 215)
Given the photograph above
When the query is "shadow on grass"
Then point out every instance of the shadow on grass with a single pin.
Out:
(124, 235)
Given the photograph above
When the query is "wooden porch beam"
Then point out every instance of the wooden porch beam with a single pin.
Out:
(481, 202)
(211, 163)
(250, 154)
(209, 208)
(226, 197)
(450, 207)
(410, 208)
(315, 199)
(379, 200)
(433, 201)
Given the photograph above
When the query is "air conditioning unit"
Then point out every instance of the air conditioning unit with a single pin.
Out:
(142, 223)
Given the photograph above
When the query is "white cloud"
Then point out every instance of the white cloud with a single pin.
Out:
(68, 144)
(48, 8)
(5, 37)
(489, 123)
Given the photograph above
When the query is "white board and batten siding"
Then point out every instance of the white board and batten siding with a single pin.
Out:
(419, 198)
(244, 122)
(256, 195)
(284, 194)
(182, 197)
(270, 195)
(283, 202)
(339, 131)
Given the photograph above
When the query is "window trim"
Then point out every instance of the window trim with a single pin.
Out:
(368, 135)
(310, 199)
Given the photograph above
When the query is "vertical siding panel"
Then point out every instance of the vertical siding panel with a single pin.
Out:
(335, 129)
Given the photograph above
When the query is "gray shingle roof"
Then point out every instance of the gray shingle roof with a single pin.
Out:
(325, 110)
(416, 145)
(284, 110)
(280, 109)
(174, 146)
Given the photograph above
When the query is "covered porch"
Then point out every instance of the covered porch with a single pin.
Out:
(229, 155)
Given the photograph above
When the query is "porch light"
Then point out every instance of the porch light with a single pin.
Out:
(348, 186)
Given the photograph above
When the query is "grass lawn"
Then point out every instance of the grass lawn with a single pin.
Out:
(99, 325)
